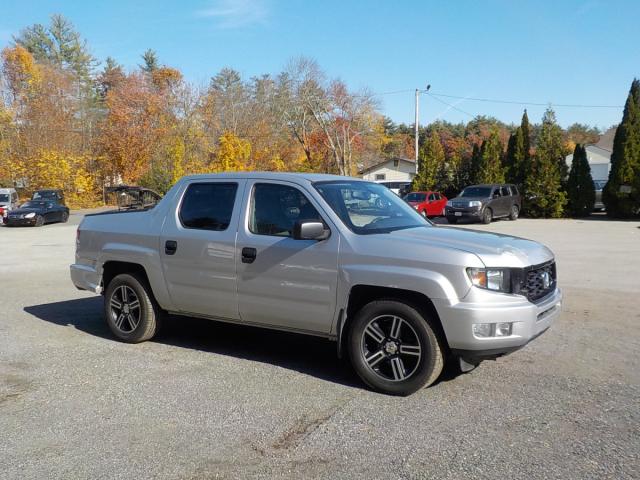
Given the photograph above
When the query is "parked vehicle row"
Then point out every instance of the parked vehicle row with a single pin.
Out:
(323, 255)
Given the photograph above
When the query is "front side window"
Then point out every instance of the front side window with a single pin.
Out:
(276, 208)
(208, 206)
(432, 197)
(367, 208)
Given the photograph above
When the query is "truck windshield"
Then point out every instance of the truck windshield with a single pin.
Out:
(367, 208)
(476, 192)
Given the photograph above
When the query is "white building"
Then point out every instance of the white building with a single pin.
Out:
(599, 156)
(394, 169)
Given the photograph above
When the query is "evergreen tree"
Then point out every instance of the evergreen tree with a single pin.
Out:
(474, 164)
(490, 167)
(526, 138)
(515, 158)
(622, 193)
(580, 188)
(58, 44)
(150, 58)
(432, 161)
(543, 189)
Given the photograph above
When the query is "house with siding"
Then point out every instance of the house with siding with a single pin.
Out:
(395, 169)
(599, 156)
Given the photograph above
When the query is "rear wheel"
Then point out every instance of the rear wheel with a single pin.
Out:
(394, 349)
(514, 212)
(65, 217)
(130, 309)
(39, 221)
(487, 216)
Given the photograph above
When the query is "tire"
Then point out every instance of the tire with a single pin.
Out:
(137, 319)
(487, 216)
(424, 213)
(514, 212)
(374, 350)
(452, 220)
(65, 217)
(39, 221)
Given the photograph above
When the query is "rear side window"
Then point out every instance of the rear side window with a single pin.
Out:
(275, 209)
(208, 206)
(514, 190)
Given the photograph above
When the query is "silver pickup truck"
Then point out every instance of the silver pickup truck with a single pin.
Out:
(322, 255)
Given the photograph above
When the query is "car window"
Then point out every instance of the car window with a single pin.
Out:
(208, 206)
(504, 191)
(4, 197)
(275, 209)
(416, 197)
(514, 190)
(496, 191)
(476, 192)
(432, 197)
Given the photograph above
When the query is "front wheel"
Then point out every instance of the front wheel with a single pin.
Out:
(487, 216)
(39, 221)
(394, 348)
(424, 213)
(130, 309)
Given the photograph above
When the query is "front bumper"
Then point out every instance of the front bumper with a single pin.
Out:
(467, 212)
(20, 222)
(529, 320)
(85, 277)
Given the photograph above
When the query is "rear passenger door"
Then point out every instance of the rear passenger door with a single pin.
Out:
(282, 281)
(197, 248)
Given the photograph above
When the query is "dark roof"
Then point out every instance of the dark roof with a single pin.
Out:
(385, 160)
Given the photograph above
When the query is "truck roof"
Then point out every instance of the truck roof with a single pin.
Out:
(286, 176)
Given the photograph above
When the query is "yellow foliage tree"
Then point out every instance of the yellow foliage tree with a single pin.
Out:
(232, 154)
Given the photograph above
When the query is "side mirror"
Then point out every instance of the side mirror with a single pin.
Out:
(309, 230)
(496, 195)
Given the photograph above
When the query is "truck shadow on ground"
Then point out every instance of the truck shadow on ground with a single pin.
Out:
(309, 355)
(302, 353)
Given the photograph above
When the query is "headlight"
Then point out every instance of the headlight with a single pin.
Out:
(475, 203)
(30, 215)
(496, 279)
(449, 203)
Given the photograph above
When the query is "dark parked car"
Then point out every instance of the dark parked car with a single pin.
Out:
(37, 213)
(51, 194)
(484, 203)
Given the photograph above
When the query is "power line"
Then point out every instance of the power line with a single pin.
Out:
(536, 104)
(453, 107)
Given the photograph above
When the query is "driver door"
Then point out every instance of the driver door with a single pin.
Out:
(282, 281)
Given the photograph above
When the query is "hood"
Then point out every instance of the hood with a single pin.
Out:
(469, 199)
(494, 249)
(18, 211)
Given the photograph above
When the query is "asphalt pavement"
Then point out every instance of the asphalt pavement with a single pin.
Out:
(207, 400)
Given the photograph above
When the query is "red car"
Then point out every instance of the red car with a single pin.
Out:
(429, 204)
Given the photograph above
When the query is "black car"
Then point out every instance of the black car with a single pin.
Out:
(51, 194)
(484, 203)
(37, 213)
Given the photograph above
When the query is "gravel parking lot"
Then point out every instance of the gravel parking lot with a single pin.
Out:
(206, 400)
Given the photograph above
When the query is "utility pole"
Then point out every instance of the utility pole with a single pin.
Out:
(417, 134)
(417, 123)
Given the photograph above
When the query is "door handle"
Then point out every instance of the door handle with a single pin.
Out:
(249, 254)
(170, 247)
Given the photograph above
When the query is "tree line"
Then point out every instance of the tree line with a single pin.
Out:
(68, 121)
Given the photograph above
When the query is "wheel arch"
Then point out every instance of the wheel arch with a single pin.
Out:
(361, 294)
(113, 268)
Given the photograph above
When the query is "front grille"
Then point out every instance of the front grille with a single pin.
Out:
(537, 281)
(459, 204)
